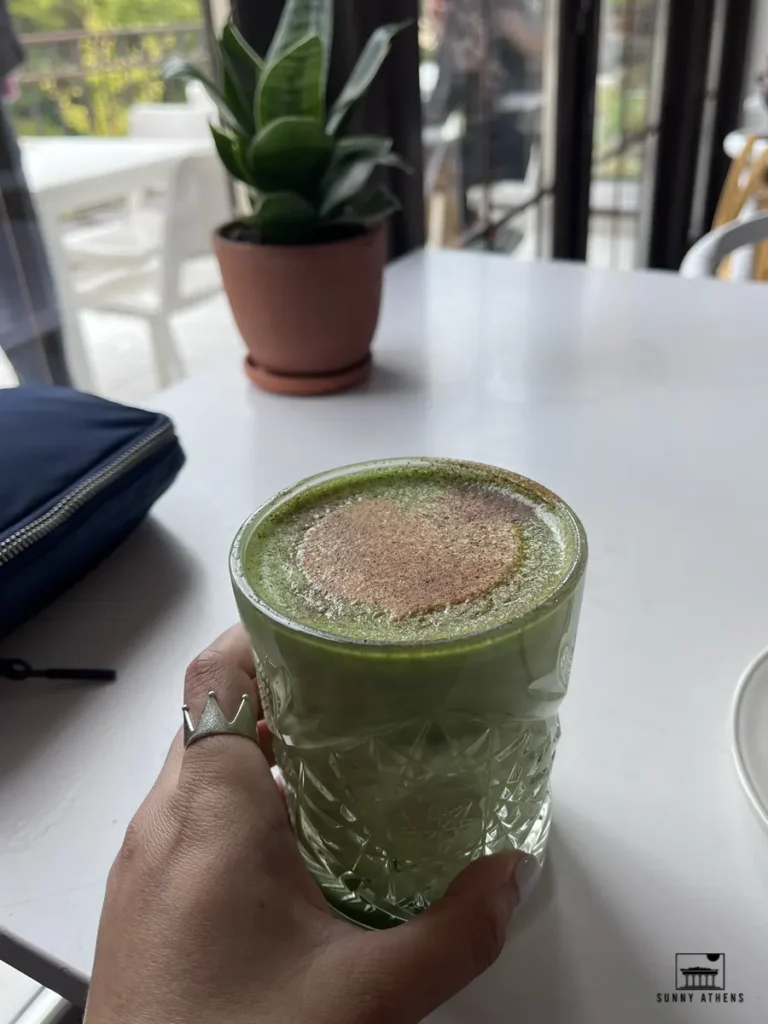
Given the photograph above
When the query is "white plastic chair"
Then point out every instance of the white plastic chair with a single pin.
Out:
(508, 194)
(708, 253)
(135, 234)
(124, 242)
(169, 121)
(186, 273)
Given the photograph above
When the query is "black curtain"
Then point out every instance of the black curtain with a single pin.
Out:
(578, 46)
(689, 36)
(393, 104)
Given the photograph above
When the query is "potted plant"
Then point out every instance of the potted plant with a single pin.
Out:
(303, 271)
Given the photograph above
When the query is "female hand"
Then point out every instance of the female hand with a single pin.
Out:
(210, 915)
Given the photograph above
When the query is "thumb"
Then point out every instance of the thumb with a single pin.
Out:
(434, 956)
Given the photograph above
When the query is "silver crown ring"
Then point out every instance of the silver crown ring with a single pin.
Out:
(213, 722)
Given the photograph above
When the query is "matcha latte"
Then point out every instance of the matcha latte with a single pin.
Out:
(413, 624)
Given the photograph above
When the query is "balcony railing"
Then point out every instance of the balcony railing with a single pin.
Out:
(76, 82)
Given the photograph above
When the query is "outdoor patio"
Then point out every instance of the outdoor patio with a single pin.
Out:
(118, 349)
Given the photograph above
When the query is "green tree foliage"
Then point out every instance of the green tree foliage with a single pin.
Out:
(114, 72)
(53, 15)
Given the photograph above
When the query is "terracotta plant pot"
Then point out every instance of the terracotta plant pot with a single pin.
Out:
(307, 313)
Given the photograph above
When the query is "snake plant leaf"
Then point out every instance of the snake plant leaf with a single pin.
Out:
(302, 18)
(282, 216)
(293, 86)
(371, 209)
(228, 148)
(233, 99)
(289, 155)
(356, 146)
(246, 58)
(242, 70)
(346, 180)
(184, 71)
(363, 73)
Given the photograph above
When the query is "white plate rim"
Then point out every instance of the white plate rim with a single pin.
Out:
(745, 777)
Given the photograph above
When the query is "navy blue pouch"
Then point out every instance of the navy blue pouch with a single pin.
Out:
(77, 474)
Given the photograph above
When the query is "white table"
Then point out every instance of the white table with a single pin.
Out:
(65, 175)
(639, 397)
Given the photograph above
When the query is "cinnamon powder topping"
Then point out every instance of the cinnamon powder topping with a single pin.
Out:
(412, 558)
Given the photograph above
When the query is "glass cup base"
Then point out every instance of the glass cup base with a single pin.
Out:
(355, 908)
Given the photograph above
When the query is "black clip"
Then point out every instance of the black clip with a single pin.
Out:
(17, 669)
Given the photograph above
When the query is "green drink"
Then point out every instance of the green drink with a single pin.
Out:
(413, 624)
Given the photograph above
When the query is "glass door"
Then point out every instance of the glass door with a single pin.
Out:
(628, 90)
(669, 88)
(487, 78)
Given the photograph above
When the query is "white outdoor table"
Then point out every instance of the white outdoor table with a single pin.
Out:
(66, 175)
(639, 397)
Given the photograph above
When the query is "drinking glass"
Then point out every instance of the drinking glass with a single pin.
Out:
(404, 761)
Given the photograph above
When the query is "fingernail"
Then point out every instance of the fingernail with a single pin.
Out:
(525, 877)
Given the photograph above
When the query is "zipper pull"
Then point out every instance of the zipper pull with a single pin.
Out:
(17, 669)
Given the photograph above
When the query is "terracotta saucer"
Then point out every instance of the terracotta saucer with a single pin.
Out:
(308, 384)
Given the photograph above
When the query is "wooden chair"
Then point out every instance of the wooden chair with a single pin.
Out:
(744, 195)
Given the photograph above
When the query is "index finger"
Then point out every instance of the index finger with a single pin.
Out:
(225, 669)
(233, 646)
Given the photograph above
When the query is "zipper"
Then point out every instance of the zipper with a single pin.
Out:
(72, 502)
